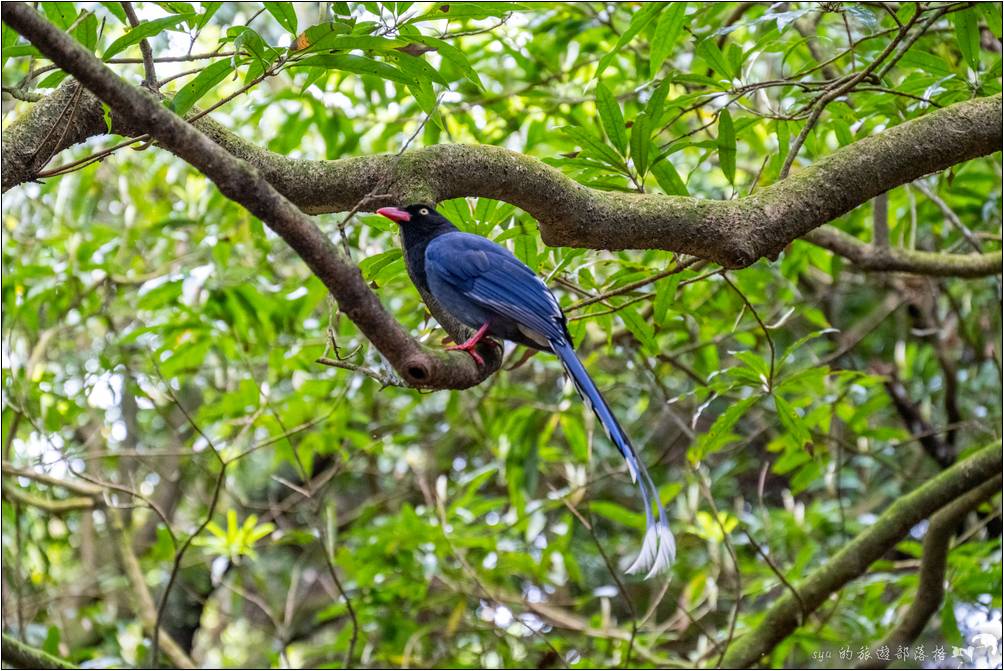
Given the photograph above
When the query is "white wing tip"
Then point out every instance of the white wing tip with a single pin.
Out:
(658, 550)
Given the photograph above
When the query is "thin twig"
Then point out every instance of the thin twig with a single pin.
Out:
(763, 327)
(144, 46)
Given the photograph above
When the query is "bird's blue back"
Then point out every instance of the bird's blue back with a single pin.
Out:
(462, 268)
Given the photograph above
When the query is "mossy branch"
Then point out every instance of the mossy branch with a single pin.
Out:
(931, 577)
(853, 560)
(20, 655)
(884, 259)
(734, 233)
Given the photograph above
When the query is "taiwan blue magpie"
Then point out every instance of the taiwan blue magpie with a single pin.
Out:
(483, 285)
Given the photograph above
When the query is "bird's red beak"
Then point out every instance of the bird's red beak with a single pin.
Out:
(394, 214)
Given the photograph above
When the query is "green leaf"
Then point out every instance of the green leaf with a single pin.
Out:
(204, 82)
(419, 68)
(364, 42)
(618, 513)
(209, 9)
(468, 10)
(641, 135)
(176, 7)
(372, 265)
(638, 23)
(668, 179)
(284, 14)
(664, 296)
(20, 50)
(640, 327)
(318, 38)
(594, 146)
(754, 362)
(667, 31)
(727, 145)
(991, 12)
(357, 64)
(708, 50)
(718, 436)
(453, 55)
(143, 30)
(792, 422)
(9, 39)
(657, 102)
(86, 32)
(795, 346)
(249, 41)
(967, 32)
(106, 111)
(950, 625)
(51, 643)
(60, 13)
(612, 119)
(115, 8)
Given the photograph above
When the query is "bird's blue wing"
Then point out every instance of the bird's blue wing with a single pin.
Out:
(489, 275)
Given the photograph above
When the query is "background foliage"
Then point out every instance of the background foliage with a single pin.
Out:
(160, 343)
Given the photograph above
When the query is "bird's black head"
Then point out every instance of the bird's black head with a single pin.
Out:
(418, 218)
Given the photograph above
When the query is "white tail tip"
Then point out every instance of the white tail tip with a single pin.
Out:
(658, 550)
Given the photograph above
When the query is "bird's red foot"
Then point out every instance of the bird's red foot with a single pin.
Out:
(472, 343)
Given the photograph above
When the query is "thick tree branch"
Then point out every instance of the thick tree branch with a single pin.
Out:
(142, 111)
(855, 557)
(19, 655)
(931, 578)
(84, 489)
(870, 257)
(733, 233)
(54, 506)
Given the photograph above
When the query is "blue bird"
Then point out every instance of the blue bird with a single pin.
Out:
(485, 287)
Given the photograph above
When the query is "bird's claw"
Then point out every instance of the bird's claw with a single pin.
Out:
(469, 348)
(471, 343)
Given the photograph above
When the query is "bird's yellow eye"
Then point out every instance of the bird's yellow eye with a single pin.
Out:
(424, 211)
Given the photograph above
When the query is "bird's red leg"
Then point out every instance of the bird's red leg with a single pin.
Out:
(471, 343)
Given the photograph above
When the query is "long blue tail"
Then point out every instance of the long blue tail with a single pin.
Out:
(659, 548)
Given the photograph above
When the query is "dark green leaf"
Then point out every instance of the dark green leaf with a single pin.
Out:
(60, 13)
(116, 10)
(713, 56)
(357, 64)
(638, 23)
(727, 146)
(468, 10)
(204, 82)
(592, 145)
(641, 328)
(719, 434)
(209, 9)
(143, 30)
(668, 179)
(454, 56)
(657, 102)
(284, 14)
(418, 68)
(364, 42)
(991, 12)
(967, 31)
(792, 422)
(641, 136)
(667, 31)
(612, 119)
